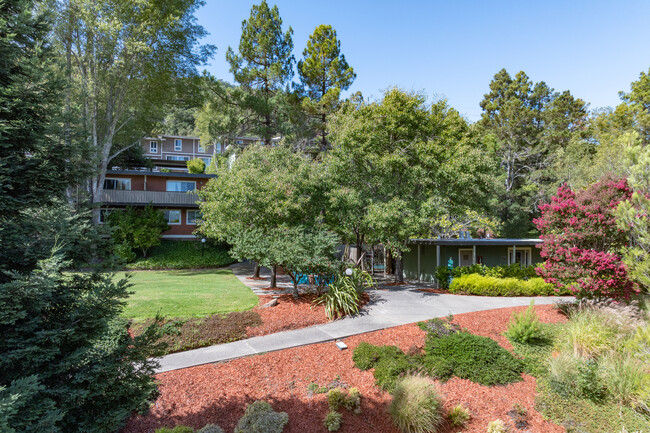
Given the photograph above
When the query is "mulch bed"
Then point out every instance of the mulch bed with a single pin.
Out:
(291, 313)
(218, 393)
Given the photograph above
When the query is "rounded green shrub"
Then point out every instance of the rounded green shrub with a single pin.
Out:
(210, 428)
(353, 400)
(333, 420)
(259, 417)
(416, 406)
(335, 398)
(497, 426)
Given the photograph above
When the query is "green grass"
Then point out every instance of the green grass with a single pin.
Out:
(185, 294)
(184, 255)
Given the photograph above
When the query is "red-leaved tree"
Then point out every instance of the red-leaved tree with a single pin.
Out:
(582, 242)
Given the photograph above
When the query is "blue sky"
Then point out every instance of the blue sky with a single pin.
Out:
(452, 49)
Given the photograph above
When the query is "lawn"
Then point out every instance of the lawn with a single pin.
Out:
(185, 294)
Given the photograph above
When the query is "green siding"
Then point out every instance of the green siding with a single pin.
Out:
(492, 255)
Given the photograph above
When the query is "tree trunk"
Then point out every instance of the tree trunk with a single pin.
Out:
(399, 274)
(274, 274)
(256, 272)
(389, 262)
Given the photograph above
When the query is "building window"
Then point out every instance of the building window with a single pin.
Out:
(153, 147)
(192, 217)
(201, 148)
(180, 185)
(178, 145)
(117, 183)
(103, 215)
(239, 142)
(177, 158)
(206, 160)
(522, 256)
(173, 217)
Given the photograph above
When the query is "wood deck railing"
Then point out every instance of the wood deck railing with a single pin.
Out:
(146, 197)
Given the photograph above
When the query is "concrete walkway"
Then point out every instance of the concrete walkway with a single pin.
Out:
(389, 306)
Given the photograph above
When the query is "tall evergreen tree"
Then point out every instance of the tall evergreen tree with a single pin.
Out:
(530, 123)
(324, 73)
(67, 360)
(264, 68)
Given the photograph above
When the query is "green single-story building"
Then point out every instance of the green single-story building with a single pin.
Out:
(426, 254)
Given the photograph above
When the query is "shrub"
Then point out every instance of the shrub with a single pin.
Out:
(259, 417)
(341, 298)
(353, 400)
(184, 255)
(416, 406)
(196, 166)
(137, 228)
(177, 429)
(497, 426)
(627, 380)
(475, 284)
(389, 369)
(438, 367)
(335, 398)
(333, 420)
(210, 428)
(458, 415)
(479, 359)
(525, 327)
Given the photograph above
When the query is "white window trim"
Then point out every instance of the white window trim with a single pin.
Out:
(187, 218)
(173, 180)
(180, 217)
(528, 256)
(128, 179)
(200, 147)
(151, 147)
(175, 157)
(460, 250)
(179, 148)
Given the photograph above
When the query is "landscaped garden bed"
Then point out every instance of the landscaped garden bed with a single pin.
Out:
(218, 393)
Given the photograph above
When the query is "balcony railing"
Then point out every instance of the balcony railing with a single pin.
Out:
(145, 197)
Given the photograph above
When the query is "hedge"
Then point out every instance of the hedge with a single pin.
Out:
(501, 271)
(475, 284)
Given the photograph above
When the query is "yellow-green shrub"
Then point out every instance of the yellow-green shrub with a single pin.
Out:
(475, 284)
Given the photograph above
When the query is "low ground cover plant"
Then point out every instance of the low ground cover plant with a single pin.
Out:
(184, 255)
(475, 284)
(180, 335)
(447, 352)
(416, 406)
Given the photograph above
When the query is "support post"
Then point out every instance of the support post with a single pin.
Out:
(514, 254)
(419, 262)
(437, 262)
(474, 254)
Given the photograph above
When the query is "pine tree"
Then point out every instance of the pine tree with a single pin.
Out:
(264, 68)
(324, 73)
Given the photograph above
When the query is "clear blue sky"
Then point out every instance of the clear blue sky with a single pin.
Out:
(452, 49)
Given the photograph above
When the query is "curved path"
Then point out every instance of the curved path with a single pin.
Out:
(389, 306)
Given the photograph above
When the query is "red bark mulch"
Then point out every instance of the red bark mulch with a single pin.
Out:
(218, 393)
(291, 313)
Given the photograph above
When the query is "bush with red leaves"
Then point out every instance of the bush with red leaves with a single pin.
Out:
(582, 241)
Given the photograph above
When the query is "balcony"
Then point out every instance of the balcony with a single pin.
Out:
(157, 198)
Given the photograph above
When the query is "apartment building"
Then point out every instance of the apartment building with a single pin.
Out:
(172, 192)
